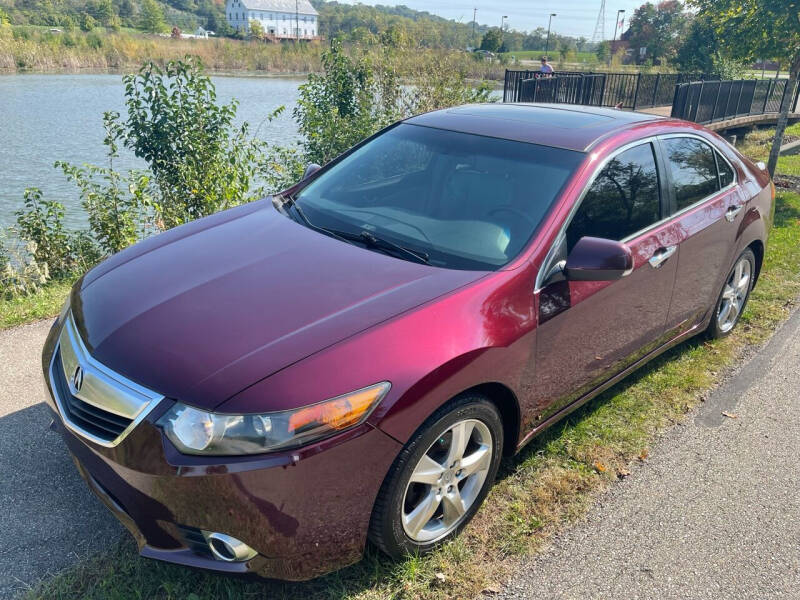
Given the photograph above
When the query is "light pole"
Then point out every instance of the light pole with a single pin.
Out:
(474, 16)
(502, 36)
(547, 45)
(616, 24)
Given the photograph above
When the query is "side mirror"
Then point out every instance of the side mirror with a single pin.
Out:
(597, 259)
(310, 170)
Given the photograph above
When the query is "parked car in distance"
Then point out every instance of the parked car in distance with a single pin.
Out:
(265, 389)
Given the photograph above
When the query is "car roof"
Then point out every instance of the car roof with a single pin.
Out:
(571, 127)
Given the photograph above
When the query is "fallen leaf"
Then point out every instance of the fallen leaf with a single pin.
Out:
(729, 415)
(599, 467)
(491, 590)
(623, 473)
(644, 454)
(441, 577)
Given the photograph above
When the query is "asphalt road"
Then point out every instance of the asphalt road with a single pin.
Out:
(48, 518)
(713, 513)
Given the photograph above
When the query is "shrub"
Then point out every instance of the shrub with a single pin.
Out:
(115, 203)
(200, 161)
(20, 274)
(349, 101)
(41, 224)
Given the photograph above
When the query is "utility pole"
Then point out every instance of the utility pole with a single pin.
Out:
(296, 20)
(547, 45)
(474, 39)
(502, 35)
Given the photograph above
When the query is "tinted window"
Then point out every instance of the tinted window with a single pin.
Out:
(693, 170)
(622, 200)
(725, 172)
(468, 201)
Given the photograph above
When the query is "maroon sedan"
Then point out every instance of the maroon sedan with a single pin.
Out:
(264, 390)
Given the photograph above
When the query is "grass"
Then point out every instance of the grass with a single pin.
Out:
(550, 483)
(24, 309)
(758, 142)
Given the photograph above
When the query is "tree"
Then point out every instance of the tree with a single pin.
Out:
(492, 40)
(659, 28)
(752, 29)
(102, 10)
(88, 22)
(257, 30)
(603, 51)
(152, 17)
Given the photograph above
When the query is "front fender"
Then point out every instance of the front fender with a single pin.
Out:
(478, 334)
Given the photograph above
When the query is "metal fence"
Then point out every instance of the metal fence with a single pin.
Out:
(625, 90)
(709, 101)
(572, 89)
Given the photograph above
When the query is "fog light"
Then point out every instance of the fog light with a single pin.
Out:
(227, 548)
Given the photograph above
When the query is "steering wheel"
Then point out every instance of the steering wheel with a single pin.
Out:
(513, 211)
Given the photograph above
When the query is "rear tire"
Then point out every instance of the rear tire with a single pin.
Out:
(734, 295)
(440, 478)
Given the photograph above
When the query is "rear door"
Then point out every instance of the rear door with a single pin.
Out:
(706, 207)
(590, 331)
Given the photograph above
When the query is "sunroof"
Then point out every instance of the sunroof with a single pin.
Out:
(532, 115)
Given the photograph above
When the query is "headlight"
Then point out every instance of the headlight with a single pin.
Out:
(196, 431)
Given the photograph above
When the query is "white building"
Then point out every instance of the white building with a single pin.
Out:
(283, 19)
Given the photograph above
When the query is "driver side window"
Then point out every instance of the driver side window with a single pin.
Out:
(623, 199)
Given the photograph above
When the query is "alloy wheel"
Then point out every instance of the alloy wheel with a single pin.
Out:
(446, 481)
(734, 295)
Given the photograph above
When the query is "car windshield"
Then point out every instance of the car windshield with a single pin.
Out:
(463, 201)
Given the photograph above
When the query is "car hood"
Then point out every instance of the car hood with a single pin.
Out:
(207, 309)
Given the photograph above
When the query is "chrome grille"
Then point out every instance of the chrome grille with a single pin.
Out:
(94, 401)
(99, 422)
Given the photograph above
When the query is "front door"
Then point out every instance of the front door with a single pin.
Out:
(590, 331)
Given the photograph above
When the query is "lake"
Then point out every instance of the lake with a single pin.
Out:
(44, 118)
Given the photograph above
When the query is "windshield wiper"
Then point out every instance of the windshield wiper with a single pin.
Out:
(370, 239)
(365, 237)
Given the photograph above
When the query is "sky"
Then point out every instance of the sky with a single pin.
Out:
(574, 17)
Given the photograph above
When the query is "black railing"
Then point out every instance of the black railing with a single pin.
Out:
(625, 90)
(709, 101)
(581, 89)
(514, 79)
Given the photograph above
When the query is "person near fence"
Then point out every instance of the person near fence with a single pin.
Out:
(546, 69)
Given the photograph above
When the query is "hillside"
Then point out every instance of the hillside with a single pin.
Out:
(391, 25)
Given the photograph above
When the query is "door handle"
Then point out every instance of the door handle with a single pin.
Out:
(661, 256)
(732, 211)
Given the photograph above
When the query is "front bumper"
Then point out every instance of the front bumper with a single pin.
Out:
(306, 512)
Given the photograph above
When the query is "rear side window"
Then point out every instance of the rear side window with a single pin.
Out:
(623, 199)
(725, 172)
(693, 168)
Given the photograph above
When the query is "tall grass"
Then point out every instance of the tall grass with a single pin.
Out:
(24, 49)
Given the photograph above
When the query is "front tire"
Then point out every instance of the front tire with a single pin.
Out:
(440, 478)
(734, 295)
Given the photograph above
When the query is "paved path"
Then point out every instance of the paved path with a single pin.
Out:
(48, 517)
(713, 513)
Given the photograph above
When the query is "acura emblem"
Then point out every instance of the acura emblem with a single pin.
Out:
(77, 378)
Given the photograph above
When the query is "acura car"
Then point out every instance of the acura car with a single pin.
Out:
(266, 389)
